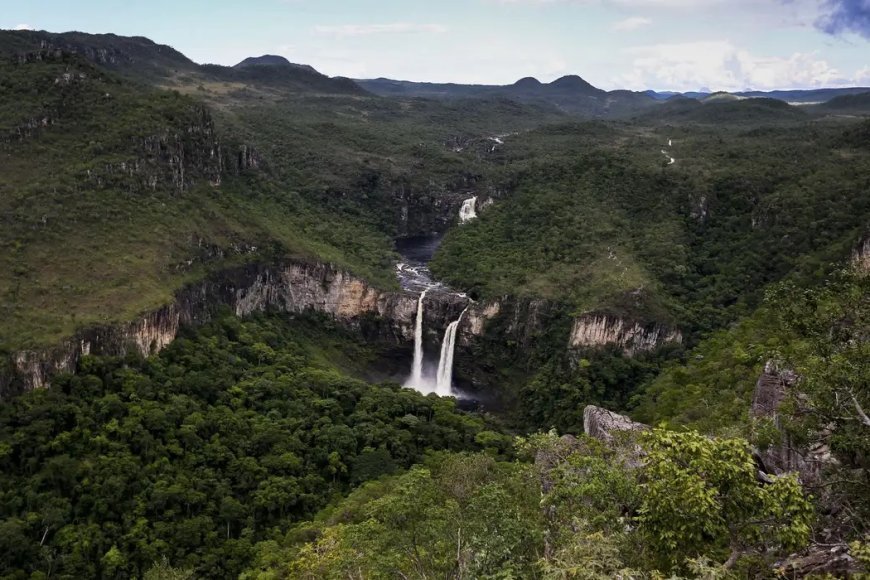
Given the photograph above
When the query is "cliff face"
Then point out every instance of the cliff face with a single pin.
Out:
(861, 256)
(600, 330)
(771, 390)
(177, 157)
(290, 287)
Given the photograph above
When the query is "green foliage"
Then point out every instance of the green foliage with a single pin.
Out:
(712, 389)
(231, 434)
(701, 496)
(831, 355)
(583, 511)
(463, 516)
(127, 213)
(596, 222)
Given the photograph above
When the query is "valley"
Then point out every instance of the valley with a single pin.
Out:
(258, 322)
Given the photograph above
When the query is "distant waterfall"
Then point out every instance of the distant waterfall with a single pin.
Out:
(468, 212)
(416, 380)
(444, 380)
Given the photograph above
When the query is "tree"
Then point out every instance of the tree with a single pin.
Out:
(701, 497)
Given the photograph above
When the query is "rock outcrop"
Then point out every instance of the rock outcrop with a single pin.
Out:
(288, 287)
(605, 425)
(861, 256)
(177, 158)
(785, 456)
(594, 330)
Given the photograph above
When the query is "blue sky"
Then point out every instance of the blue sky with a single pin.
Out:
(635, 44)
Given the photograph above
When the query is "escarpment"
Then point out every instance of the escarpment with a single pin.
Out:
(593, 330)
(290, 287)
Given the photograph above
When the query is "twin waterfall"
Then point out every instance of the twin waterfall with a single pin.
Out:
(443, 384)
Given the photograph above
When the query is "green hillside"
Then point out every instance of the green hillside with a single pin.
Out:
(601, 221)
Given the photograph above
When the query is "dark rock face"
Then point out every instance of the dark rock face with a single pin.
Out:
(291, 287)
(772, 388)
(861, 256)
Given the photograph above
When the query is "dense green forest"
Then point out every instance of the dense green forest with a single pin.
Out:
(260, 447)
(225, 439)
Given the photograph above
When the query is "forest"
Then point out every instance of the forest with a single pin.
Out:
(282, 445)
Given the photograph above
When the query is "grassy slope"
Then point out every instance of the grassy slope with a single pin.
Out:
(79, 253)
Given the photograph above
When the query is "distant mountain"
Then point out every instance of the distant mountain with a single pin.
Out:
(527, 83)
(570, 94)
(854, 104)
(809, 96)
(575, 84)
(133, 56)
(724, 108)
(272, 60)
(803, 97)
(142, 59)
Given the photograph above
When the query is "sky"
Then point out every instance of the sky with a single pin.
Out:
(680, 45)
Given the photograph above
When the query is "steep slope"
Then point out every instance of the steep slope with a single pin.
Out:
(114, 195)
(604, 223)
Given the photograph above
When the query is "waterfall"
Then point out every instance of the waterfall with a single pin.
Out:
(467, 212)
(444, 381)
(416, 380)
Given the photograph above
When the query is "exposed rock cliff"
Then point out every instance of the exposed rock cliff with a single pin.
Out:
(177, 157)
(771, 390)
(861, 256)
(594, 330)
(291, 287)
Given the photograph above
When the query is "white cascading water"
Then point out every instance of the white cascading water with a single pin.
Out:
(468, 211)
(416, 380)
(444, 379)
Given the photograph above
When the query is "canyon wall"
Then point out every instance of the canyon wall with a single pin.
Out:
(288, 287)
(596, 330)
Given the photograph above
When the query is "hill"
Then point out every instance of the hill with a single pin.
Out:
(570, 94)
(206, 177)
(856, 104)
(723, 108)
(142, 60)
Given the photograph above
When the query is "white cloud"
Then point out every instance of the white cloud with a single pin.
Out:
(722, 66)
(345, 30)
(629, 24)
(23, 27)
